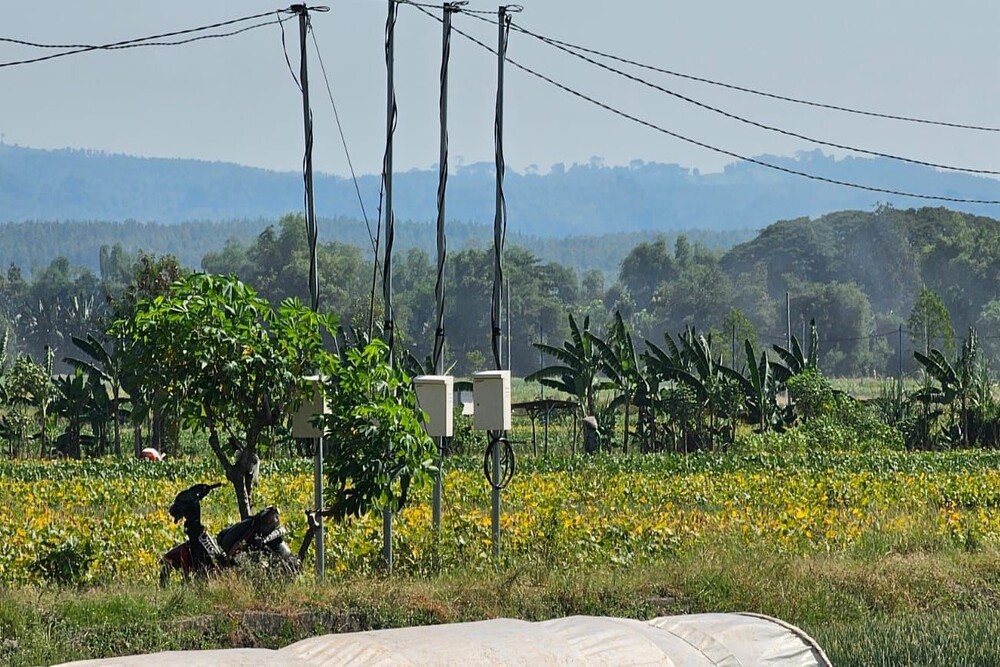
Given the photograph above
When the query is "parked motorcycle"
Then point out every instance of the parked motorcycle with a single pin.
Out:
(260, 536)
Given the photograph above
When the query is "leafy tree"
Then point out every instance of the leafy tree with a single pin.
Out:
(377, 449)
(929, 324)
(230, 363)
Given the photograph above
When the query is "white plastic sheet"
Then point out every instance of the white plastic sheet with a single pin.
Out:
(697, 640)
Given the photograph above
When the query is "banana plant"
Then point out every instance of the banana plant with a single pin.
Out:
(620, 364)
(760, 392)
(579, 367)
(105, 370)
(694, 365)
(948, 383)
(795, 361)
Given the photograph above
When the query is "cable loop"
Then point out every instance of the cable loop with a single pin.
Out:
(507, 461)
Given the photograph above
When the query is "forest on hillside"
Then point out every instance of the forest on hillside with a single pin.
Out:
(32, 245)
(562, 200)
(864, 277)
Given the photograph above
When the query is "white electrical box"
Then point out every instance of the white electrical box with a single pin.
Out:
(313, 403)
(436, 397)
(491, 396)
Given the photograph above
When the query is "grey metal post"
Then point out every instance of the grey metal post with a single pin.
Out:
(311, 232)
(501, 53)
(389, 232)
(900, 361)
(447, 10)
(318, 485)
(788, 321)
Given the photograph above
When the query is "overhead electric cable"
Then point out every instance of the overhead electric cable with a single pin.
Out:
(716, 149)
(763, 126)
(343, 140)
(775, 96)
(146, 41)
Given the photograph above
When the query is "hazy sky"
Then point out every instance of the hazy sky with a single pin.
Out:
(234, 99)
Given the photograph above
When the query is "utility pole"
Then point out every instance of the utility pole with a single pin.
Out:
(312, 234)
(447, 10)
(390, 30)
(503, 25)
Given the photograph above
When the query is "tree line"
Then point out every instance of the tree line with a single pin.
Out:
(861, 276)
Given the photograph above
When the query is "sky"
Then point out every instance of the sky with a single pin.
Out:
(234, 100)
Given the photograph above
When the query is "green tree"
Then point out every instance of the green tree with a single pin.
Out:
(231, 364)
(929, 324)
(377, 449)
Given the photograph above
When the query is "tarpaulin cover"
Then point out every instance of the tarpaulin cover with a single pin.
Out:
(696, 640)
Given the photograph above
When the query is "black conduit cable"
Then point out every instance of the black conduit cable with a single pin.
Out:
(76, 49)
(774, 96)
(442, 241)
(716, 149)
(500, 478)
(390, 27)
(747, 121)
(500, 220)
(507, 460)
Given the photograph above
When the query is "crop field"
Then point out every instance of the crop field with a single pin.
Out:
(106, 521)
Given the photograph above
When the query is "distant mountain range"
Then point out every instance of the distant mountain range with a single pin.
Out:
(589, 199)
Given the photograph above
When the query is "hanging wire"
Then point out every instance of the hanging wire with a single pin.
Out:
(343, 141)
(75, 49)
(774, 96)
(716, 149)
(821, 142)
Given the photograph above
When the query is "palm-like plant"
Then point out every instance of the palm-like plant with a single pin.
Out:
(760, 392)
(105, 370)
(620, 364)
(950, 383)
(577, 372)
(693, 364)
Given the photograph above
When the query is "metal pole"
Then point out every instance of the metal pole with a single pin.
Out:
(447, 11)
(318, 485)
(389, 232)
(510, 358)
(311, 232)
(498, 244)
(788, 321)
(899, 361)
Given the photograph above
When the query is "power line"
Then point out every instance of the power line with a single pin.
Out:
(716, 149)
(76, 49)
(558, 45)
(775, 96)
(343, 140)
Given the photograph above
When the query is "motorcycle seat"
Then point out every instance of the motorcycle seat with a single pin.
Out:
(229, 536)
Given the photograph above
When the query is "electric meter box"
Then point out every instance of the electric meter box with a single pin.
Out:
(491, 396)
(436, 397)
(313, 403)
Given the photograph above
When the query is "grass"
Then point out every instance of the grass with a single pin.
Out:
(895, 609)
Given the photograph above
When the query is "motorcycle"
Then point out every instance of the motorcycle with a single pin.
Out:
(260, 537)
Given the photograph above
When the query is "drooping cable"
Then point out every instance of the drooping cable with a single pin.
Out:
(343, 141)
(312, 229)
(75, 49)
(500, 216)
(498, 460)
(770, 128)
(716, 149)
(437, 355)
(390, 28)
(774, 96)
